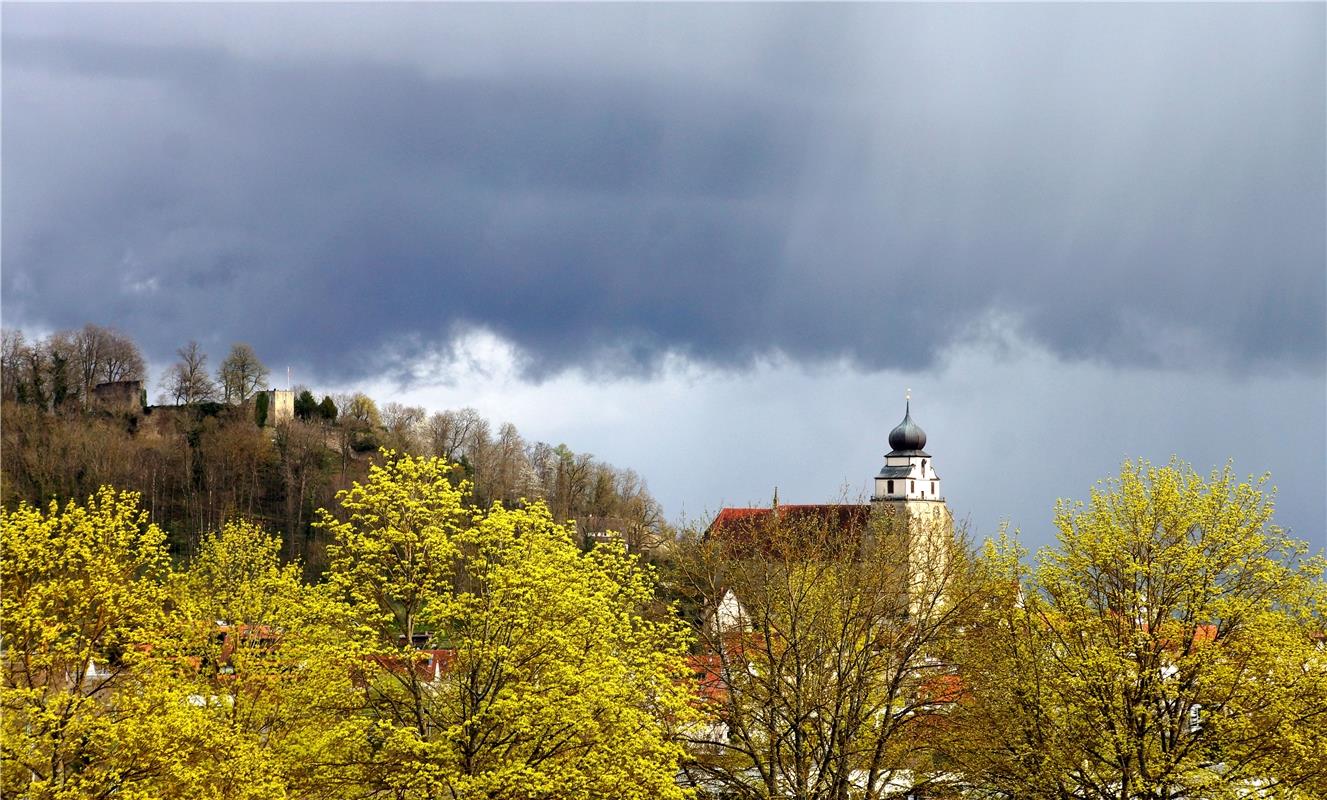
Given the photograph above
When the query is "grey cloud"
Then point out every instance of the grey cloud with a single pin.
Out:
(1132, 184)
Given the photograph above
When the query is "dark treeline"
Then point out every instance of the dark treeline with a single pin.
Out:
(212, 450)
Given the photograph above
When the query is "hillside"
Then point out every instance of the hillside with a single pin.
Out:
(199, 464)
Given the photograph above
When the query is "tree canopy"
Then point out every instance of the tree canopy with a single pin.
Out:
(1169, 648)
(241, 374)
(454, 652)
(305, 406)
(187, 380)
(556, 682)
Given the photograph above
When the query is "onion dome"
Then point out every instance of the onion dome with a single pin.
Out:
(907, 436)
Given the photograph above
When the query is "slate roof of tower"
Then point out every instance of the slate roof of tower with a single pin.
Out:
(907, 438)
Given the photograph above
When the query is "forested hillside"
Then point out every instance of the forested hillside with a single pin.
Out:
(200, 457)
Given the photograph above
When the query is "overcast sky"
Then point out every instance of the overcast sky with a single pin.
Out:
(713, 243)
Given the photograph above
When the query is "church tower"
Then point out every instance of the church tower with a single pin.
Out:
(907, 502)
(908, 474)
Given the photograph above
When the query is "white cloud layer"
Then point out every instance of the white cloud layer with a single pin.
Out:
(1011, 427)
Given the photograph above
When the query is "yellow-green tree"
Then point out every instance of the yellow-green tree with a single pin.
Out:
(122, 679)
(82, 608)
(1169, 648)
(276, 660)
(509, 664)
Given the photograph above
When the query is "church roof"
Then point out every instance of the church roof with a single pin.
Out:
(836, 515)
(896, 472)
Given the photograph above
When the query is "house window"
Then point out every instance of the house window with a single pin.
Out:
(932, 487)
(890, 490)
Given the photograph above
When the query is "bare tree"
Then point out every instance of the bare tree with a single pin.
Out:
(453, 434)
(235, 455)
(99, 355)
(241, 374)
(85, 348)
(121, 360)
(642, 515)
(509, 466)
(301, 450)
(438, 432)
(55, 370)
(187, 380)
(543, 467)
(571, 482)
(33, 385)
(13, 346)
(404, 425)
(830, 673)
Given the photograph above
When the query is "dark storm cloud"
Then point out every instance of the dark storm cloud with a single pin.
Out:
(600, 185)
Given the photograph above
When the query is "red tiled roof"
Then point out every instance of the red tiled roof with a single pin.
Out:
(430, 665)
(836, 512)
(707, 669)
(944, 688)
(736, 644)
(1202, 633)
(728, 516)
(752, 527)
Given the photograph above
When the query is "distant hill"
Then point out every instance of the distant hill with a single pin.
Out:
(199, 464)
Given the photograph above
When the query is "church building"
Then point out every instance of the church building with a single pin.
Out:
(906, 501)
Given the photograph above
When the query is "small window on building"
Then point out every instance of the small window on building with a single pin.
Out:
(932, 487)
(912, 486)
(890, 490)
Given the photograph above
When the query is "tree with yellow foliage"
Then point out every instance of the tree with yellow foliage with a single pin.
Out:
(84, 587)
(276, 659)
(507, 663)
(123, 679)
(1169, 648)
